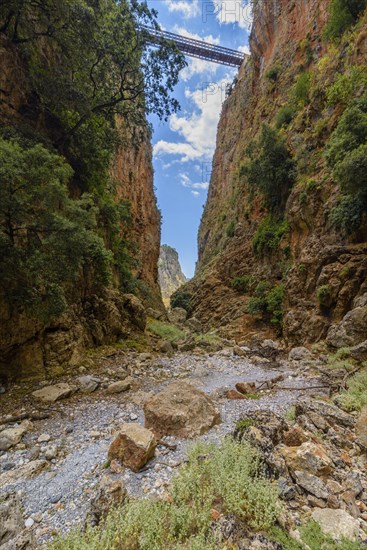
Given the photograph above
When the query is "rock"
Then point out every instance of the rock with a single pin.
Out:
(336, 523)
(310, 457)
(154, 313)
(353, 483)
(109, 493)
(51, 452)
(194, 325)
(295, 437)
(246, 387)
(133, 446)
(311, 484)
(180, 410)
(12, 436)
(50, 394)
(237, 350)
(360, 428)
(324, 412)
(136, 310)
(233, 395)
(12, 536)
(359, 351)
(177, 315)
(299, 354)
(88, 384)
(29, 522)
(120, 386)
(115, 467)
(28, 470)
(351, 331)
(44, 438)
(166, 347)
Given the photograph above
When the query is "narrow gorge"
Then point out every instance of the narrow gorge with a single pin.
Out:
(141, 409)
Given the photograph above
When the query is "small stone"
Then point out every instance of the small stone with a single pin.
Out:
(239, 352)
(115, 467)
(295, 437)
(12, 436)
(234, 395)
(55, 498)
(88, 384)
(246, 387)
(133, 416)
(44, 438)
(120, 386)
(50, 394)
(51, 452)
(29, 522)
(311, 484)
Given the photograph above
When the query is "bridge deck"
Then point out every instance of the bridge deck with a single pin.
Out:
(197, 48)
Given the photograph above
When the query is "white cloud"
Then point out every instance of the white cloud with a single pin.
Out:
(198, 128)
(245, 49)
(234, 11)
(186, 182)
(195, 193)
(187, 8)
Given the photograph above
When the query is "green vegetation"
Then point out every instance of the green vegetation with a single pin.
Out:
(231, 229)
(181, 298)
(229, 478)
(324, 295)
(343, 14)
(273, 73)
(268, 300)
(45, 237)
(312, 536)
(166, 331)
(302, 89)
(347, 85)
(354, 398)
(284, 116)
(93, 79)
(270, 168)
(243, 284)
(268, 235)
(346, 155)
(243, 424)
(290, 415)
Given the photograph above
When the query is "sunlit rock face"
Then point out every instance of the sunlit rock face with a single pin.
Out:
(171, 276)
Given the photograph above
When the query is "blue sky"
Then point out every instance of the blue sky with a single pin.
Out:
(183, 147)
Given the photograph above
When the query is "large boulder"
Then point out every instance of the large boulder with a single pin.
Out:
(352, 330)
(180, 410)
(136, 310)
(88, 383)
(133, 446)
(50, 394)
(336, 523)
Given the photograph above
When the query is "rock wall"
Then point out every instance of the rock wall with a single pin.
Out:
(27, 347)
(289, 36)
(170, 272)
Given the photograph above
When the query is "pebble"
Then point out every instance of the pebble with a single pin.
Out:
(44, 438)
(29, 522)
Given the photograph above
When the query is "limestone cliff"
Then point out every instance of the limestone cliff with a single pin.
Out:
(313, 256)
(29, 347)
(170, 272)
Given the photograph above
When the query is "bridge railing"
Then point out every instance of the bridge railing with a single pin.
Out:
(196, 48)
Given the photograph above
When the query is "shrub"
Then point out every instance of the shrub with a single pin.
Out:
(354, 398)
(343, 14)
(268, 300)
(181, 298)
(324, 295)
(231, 229)
(230, 477)
(284, 116)
(347, 215)
(242, 284)
(302, 89)
(268, 235)
(273, 73)
(347, 84)
(270, 168)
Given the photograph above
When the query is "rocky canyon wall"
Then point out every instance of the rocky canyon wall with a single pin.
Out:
(170, 273)
(319, 269)
(30, 348)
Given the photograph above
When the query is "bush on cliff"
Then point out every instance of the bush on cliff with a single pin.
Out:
(343, 14)
(270, 168)
(267, 299)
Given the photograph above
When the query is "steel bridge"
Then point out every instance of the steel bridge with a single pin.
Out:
(196, 48)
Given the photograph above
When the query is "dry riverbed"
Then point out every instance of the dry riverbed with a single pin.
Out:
(60, 459)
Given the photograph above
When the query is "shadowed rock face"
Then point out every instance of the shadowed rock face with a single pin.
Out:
(170, 272)
(316, 253)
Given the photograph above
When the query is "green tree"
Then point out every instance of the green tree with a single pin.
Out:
(45, 237)
(343, 14)
(271, 168)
